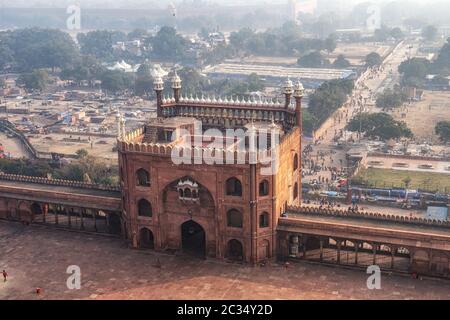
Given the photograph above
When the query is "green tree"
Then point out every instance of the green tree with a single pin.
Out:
(429, 33)
(37, 80)
(115, 81)
(341, 62)
(168, 44)
(391, 99)
(397, 33)
(443, 130)
(143, 85)
(100, 43)
(37, 49)
(373, 59)
(414, 71)
(379, 126)
(328, 98)
(442, 63)
(313, 60)
(330, 44)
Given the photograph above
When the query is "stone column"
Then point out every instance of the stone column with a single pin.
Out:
(321, 249)
(374, 249)
(338, 243)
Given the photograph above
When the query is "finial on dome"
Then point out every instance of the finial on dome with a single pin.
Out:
(298, 89)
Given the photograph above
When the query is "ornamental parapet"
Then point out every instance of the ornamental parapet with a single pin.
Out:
(349, 213)
(199, 155)
(57, 182)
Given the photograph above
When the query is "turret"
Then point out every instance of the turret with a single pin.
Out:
(158, 86)
(176, 86)
(298, 95)
(287, 91)
(120, 126)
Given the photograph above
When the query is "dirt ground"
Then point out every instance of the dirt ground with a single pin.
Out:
(421, 117)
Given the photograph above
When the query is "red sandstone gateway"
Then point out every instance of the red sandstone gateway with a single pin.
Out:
(226, 211)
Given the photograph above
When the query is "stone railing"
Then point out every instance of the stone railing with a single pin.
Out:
(57, 182)
(346, 213)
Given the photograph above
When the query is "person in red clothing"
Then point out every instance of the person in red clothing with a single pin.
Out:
(5, 276)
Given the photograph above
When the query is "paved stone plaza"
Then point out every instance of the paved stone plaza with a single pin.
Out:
(37, 257)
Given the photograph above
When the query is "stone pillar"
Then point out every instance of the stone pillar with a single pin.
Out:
(321, 249)
(392, 257)
(374, 249)
(356, 252)
(57, 208)
(82, 211)
(253, 215)
(338, 252)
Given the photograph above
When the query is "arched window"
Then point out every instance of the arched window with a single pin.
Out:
(234, 218)
(263, 188)
(181, 192)
(295, 191)
(264, 220)
(233, 187)
(295, 162)
(187, 193)
(142, 178)
(144, 208)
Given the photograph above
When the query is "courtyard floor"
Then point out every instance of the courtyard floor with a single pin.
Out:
(38, 257)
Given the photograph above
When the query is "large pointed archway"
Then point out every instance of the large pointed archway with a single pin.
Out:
(193, 238)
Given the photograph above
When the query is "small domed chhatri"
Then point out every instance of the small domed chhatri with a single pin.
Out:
(176, 81)
(298, 89)
(158, 83)
(288, 86)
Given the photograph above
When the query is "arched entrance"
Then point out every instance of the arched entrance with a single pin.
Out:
(36, 209)
(193, 238)
(235, 251)
(146, 239)
(114, 224)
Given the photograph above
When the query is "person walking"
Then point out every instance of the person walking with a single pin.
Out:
(5, 275)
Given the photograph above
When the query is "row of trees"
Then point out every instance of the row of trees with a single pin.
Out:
(24, 50)
(86, 168)
(284, 41)
(329, 97)
(391, 98)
